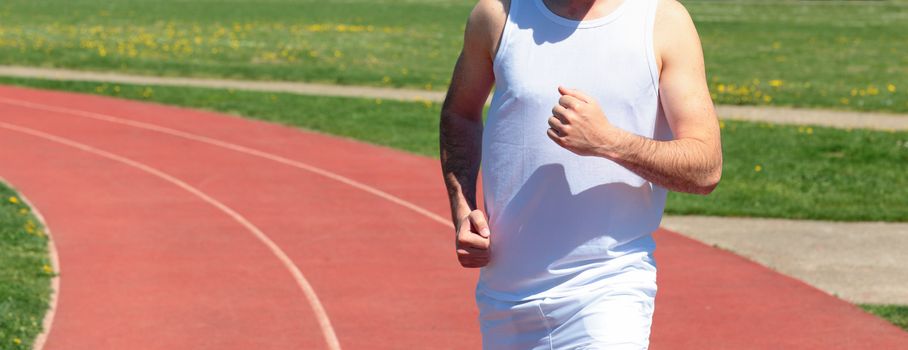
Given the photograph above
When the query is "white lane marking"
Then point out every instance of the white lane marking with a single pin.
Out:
(48, 321)
(242, 149)
(318, 309)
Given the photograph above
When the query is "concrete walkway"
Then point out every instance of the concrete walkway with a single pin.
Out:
(859, 262)
(863, 262)
(780, 115)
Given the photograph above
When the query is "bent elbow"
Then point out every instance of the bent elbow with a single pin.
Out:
(710, 182)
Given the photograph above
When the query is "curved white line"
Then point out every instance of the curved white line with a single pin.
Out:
(48, 321)
(242, 149)
(318, 309)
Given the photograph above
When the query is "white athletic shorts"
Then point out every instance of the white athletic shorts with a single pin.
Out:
(614, 317)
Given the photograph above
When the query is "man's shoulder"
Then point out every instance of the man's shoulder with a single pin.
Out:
(674, 30)
(490, 10)
(489, 15)
(672, 14)
(487, 21)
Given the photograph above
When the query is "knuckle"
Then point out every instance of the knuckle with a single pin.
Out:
(478, 218)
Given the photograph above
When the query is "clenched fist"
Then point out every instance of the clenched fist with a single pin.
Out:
(579, 125)
(473, 240)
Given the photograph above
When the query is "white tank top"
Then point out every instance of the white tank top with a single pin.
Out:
(563, 223)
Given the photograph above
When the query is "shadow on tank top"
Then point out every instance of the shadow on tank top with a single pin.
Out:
(527, 16)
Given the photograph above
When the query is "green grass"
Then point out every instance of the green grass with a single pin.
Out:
(807, 53)
(804, 172)
(896, 314)
(25, 273)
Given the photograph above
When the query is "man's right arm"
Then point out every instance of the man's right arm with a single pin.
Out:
(460, 127)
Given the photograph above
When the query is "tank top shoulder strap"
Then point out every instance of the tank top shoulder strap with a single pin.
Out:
(649, 14)
(513, 10)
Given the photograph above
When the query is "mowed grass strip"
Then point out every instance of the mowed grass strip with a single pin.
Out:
(847, 55)
(25, 272)
(798, 172)
(896, 314)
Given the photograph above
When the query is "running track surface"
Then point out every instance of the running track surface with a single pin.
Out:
(182, 229)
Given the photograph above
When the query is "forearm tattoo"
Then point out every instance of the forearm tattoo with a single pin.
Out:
(460, 143)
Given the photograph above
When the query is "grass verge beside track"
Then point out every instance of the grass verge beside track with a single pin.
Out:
(25, 273)
(897, 314)
(847, 55)
(797, 172)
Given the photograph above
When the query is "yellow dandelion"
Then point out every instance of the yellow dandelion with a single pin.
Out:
(47, 269)
(721, 88)
(758, 168)
(854, 92)
(890, 87)
(17, 341)
(338, 54)
(844, 101)
(809, 130)
(14, 200)
(776, 83)
(386, 79)
(378, 101)
(23, 211)
(872, 90)
(767, 98)
(721, 124)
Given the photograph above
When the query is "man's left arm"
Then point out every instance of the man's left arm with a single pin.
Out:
(692, 162)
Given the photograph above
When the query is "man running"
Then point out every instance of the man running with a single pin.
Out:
(600, 108)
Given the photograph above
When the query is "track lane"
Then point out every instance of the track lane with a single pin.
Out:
(702, 290)
(333, 231)
(112, 249)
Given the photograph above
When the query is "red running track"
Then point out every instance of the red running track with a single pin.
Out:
(186, 229)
